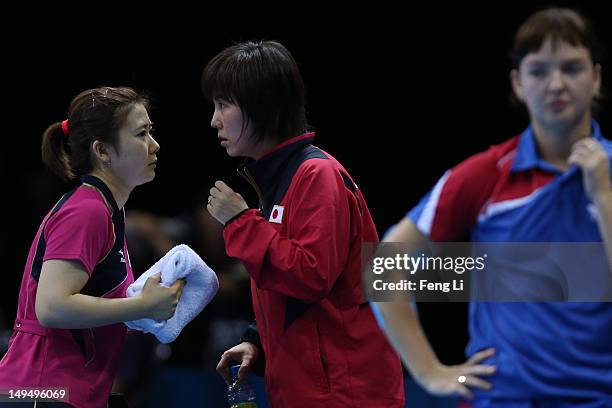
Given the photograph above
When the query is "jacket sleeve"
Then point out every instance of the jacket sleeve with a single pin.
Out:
(306, 263)
(251, 335)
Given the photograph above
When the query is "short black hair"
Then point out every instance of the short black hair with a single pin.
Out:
(263, 79)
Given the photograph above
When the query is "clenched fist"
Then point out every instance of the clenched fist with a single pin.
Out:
(224, 203)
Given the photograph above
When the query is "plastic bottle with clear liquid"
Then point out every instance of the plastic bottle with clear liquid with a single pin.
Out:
(240, 394)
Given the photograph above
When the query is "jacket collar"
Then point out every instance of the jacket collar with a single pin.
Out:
(273, 161)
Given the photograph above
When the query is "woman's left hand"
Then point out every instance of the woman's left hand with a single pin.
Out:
(224, 203)
(591, 157)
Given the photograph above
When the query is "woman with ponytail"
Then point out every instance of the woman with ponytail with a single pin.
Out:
(68, 333)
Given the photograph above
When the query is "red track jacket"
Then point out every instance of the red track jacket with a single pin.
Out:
(302, 249)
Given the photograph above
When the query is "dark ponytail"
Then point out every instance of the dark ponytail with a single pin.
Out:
(54, 152)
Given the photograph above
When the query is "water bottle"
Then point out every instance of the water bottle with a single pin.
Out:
(240, 394)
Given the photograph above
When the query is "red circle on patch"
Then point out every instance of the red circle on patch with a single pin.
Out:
(275, 214)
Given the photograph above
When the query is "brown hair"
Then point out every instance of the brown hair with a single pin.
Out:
(559, 24)
(94, 114)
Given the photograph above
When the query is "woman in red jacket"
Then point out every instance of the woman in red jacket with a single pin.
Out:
(302, 247)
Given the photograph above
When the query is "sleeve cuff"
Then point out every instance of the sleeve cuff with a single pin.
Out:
(251, 334)
(235, 217)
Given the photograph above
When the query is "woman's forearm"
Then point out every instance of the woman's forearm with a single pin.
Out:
(402, 324)
(80, 311)
(406, 334)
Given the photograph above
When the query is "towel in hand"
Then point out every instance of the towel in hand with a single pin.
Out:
(181, 262)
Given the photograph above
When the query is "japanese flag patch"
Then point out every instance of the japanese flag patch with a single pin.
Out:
(277, 214)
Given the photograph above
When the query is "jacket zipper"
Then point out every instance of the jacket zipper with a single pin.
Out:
(244, 173)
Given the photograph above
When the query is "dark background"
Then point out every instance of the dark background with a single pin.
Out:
(396, 95)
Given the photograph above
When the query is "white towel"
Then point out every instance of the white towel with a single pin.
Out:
(201, 286)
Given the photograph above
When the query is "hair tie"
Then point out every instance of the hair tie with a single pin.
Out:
(65, 127)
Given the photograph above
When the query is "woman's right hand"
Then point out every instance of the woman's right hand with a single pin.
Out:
(458, 379)
(160, 302)
(244, 353)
